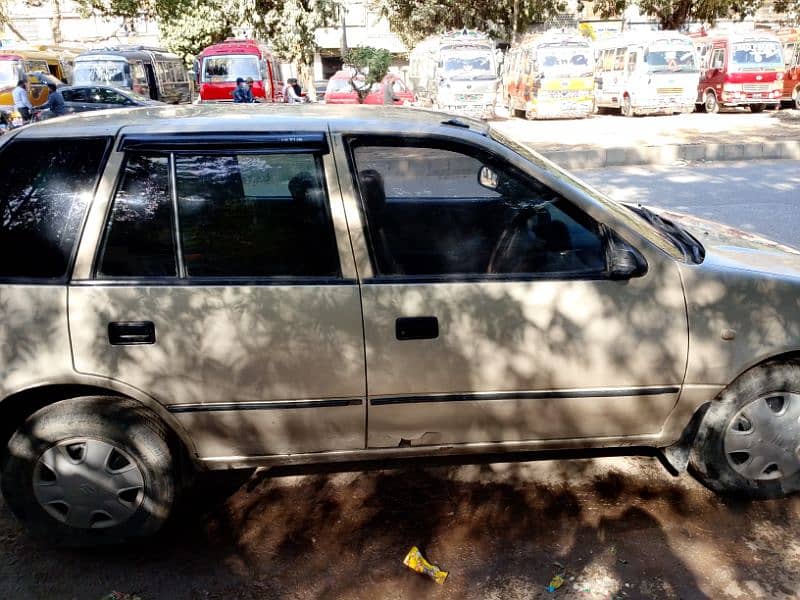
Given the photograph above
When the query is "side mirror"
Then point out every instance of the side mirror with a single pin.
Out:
(625, 262)
(488, 178)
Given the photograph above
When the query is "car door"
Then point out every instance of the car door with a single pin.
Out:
(490, 314)
(222, 284)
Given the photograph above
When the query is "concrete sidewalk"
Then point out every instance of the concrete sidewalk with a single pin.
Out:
(612, 140)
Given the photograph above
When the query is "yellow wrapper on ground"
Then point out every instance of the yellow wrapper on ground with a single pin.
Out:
(416, 562)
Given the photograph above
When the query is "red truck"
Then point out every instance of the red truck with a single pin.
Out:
(743, 69)
(217, 68)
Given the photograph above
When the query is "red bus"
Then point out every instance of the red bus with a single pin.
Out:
(791, 57)
(218, 66)
(743, 69)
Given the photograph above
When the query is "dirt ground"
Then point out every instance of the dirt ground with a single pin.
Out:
(615, 527)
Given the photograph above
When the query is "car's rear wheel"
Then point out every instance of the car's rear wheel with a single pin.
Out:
(90, 471)
(797, 97)
(749, 440)
(710, 104)
(626, 108)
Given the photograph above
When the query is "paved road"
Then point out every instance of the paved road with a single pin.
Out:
(758, 196)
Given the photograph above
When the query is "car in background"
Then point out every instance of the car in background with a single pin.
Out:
(340, 91)
(83, 98)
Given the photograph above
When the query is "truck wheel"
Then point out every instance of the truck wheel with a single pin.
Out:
(90, 471)
(710, 104)
(797, 97)
(757, 108)
(749, 440)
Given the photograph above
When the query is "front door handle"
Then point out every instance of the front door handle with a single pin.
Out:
(131, 333)
(416, 328)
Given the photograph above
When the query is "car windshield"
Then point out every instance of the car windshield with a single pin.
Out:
(558, 60)
(638, 218)
(218, 69)
(469, 65)
(9, 73)
(102, 72)
(677, 56)
(757, 54)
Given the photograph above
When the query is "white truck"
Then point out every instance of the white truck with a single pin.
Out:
(457, 72)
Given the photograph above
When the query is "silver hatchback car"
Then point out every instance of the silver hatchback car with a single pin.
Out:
(212, 287)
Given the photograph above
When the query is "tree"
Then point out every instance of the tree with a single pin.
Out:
(201, 24)
(673, 14)
(370, 66)
(289, 26)
(414, 20)
(5, 20)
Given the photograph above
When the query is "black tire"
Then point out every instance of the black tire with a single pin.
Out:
(710, 104)
(757, 108)
(121, 423)
(709, 461)
(626, 109)
(797, 98)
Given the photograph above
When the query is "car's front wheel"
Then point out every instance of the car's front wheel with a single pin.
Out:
(90, 471)
(749, 440)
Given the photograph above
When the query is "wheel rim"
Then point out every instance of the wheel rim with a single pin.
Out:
(711, 103)
(88, 483)
(762, 441)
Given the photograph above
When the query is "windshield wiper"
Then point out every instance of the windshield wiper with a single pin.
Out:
(679, 236)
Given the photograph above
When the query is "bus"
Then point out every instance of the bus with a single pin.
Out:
(741, 69)
(456, 72)
(646, 72)
(550, 75)
(150, 72)
(218, 66)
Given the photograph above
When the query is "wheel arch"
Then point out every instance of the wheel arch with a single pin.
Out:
(17, 407)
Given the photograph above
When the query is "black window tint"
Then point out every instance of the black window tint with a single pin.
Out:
(428, 215)
(255, 216)
(139, 239)
(45, 190)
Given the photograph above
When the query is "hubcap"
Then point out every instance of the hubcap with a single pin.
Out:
(762, 441)
(88, 483)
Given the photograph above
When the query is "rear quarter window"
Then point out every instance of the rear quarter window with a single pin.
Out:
(45, 190)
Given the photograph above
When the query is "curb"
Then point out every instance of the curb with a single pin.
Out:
(664, 155)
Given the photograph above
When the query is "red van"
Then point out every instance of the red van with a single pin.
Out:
(340, 91)
(791, 56)
(218, 66)
(744, 69)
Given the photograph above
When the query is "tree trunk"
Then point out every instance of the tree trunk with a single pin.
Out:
(675, 16)
(305, 75)
(56, 22)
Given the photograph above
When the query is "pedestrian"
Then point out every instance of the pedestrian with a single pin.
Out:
(240, 93)
(290, 93)
(388, 90)
(250, 96)
(55, 101)
(22, 103)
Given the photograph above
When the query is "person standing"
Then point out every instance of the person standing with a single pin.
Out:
(55, 101)
(388, 90)
(22, 103)
(240, 93)
(250, 83)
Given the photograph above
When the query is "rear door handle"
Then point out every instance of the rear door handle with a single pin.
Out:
(416, 328)
(131, 333)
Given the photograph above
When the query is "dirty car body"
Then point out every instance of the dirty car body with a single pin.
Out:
(247, 286)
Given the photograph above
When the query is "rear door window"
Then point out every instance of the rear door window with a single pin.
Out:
(45, 190)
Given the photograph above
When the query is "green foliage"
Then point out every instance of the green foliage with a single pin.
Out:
(200, 24)
(289, 26)
(162, 9)
(789, 7)
(414, 20)
(672, 14)
(370, 66)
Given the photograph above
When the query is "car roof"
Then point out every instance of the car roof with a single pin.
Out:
(249, 118)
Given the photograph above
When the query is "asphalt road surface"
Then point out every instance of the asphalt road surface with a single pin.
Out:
(757, 196)
(613, 526)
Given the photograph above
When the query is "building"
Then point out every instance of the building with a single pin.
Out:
(50, 20)
(361, 26)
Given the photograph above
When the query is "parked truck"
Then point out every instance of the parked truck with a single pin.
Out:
(457, 72)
